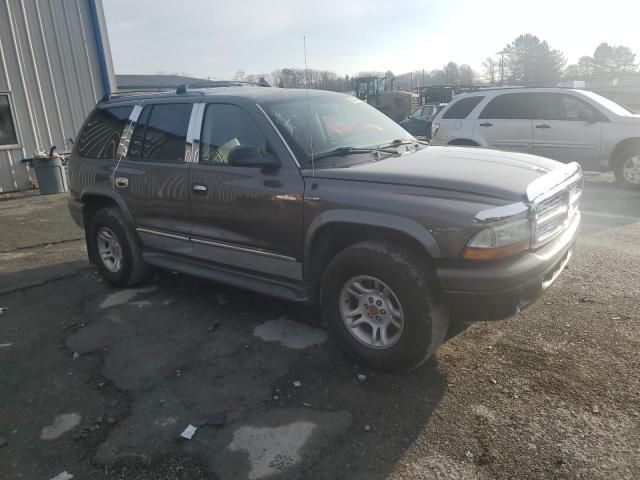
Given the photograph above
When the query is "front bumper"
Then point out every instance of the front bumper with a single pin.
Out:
(477, 290)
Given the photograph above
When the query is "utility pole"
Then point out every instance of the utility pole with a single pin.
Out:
(501, 53)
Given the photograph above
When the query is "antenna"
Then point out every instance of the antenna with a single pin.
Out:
(306, 74)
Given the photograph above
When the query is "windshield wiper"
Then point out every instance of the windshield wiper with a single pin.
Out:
(398, 142)
(344, 151)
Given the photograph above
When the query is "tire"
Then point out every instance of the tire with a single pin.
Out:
(622, 160)
(412, 284)
(110, 222)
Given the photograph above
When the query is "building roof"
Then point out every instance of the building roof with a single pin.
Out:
(133, 82)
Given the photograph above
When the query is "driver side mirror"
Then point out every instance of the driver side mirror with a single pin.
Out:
(251, 156)
(587, 115)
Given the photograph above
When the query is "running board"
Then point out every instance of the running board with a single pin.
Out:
(279, 288)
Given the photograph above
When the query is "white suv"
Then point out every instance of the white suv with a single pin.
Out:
(563, 124)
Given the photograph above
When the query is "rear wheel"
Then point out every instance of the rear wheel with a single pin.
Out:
(114, 249)
(382, 306)
(627, 167)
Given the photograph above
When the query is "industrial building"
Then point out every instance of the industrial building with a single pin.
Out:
(55, 64)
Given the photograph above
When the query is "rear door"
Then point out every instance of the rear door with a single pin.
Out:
(245, 217)
(506, 122)
(153, 177)
(562, 133)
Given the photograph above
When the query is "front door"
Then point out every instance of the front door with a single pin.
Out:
(567, 129)
(506, 123)
(153, 177)
(245, 217)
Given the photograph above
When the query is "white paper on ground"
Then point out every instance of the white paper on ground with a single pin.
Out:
(63, 476)
(188, 432)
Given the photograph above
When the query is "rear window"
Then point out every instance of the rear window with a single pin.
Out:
(462, 108)
(520, 106)
(101, 134)
(161, 133)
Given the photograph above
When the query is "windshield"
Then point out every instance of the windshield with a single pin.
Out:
(608, 104)
(335, 121)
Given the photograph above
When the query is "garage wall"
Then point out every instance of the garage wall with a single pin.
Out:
(50, 65)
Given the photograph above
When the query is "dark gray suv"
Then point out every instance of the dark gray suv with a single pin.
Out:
(318, 197)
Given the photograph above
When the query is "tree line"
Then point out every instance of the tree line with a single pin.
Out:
(527, 60)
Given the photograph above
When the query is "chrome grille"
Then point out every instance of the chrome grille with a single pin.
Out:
(554, 213)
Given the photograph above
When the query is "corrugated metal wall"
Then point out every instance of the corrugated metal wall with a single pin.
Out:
(49, 63)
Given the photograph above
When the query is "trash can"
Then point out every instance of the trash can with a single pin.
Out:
(51, 174)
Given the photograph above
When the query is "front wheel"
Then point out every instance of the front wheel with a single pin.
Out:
(627, 168)
(382, 306)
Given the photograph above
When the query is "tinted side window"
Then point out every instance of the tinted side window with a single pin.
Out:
(550, 107)
(559, 106)
(135, 143)
(462, 108)
(224, 128)
(511, 106)
(101, 134)
(165, 132)
(573, 108)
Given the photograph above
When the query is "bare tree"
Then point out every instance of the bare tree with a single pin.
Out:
(489, 68)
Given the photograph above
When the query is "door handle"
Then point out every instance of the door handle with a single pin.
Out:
(198, 188)
(122, 182)
(486, 124)
(543, 125)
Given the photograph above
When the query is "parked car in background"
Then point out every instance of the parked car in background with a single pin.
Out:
(394, 239)
(418, 123)
(562, 124)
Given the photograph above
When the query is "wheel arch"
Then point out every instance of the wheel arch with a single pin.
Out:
(97, 197)
(333, 231)
(620, 147)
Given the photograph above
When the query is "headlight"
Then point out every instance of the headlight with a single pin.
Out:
(434, 129)
(507, 232)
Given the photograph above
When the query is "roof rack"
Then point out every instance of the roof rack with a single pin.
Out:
(182, 89)
(151, 91)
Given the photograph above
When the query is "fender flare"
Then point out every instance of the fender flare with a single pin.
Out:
(371, 219)
(107, 192)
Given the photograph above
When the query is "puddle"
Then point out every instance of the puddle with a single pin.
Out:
(62, 424)
(124, 296)
(289, 333)
(271, 450)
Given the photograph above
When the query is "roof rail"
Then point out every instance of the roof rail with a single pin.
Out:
(126, 93)
(182, 89)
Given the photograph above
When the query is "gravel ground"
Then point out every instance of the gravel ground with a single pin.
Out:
(98, 382)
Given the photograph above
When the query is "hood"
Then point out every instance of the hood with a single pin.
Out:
(493, 173)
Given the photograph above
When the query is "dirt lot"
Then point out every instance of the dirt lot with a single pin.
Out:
(99, 382)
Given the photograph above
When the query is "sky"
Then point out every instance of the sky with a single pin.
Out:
(216, 38)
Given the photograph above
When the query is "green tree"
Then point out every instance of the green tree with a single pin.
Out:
(610, 61)
(583, 70)
(530, 61)
(452, 73)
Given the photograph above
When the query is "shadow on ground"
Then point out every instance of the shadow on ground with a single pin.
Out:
(116, 375)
